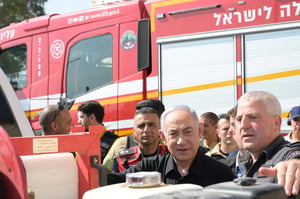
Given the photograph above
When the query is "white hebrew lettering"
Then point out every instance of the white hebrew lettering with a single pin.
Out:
(249, 15)
(239, 16)
(298, 8)
(227, 18)
(218, 16)
(284, 8)
(269, 11)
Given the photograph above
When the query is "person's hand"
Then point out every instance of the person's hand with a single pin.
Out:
(287, 173)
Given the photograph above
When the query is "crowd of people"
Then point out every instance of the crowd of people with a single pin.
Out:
(244, 142)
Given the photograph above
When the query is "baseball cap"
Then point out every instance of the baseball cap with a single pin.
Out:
(295, 112)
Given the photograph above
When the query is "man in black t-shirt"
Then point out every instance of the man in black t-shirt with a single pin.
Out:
(186, 162)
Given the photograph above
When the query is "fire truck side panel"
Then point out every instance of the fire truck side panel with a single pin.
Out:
(128, 49)
(211, 53)
(131, 81)
(204, 53)
(39, 65)
(99, 17)
(272, 63)
(209, 78)
(215, 16)
(40, 75)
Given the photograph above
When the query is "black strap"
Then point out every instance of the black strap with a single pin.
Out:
(106, 141)
(126, 164)
(130, 141)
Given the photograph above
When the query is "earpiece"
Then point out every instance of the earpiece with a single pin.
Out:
(289, 119)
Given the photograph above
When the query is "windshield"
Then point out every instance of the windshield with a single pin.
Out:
(13, 64)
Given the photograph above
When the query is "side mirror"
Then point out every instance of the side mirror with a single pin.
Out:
(143, 47)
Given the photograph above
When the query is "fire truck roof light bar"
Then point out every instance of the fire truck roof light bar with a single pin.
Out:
(195, 9)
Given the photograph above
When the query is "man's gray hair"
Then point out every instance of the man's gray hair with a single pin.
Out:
(176, 108)
(268, 99)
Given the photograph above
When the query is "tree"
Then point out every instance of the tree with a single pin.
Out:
(12, 11)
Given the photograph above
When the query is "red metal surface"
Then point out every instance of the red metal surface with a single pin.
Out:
(11, 170)
(84, 144)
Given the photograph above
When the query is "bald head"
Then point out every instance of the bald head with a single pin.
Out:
(55, 120)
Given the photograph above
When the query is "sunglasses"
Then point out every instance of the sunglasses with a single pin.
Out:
(59, 108)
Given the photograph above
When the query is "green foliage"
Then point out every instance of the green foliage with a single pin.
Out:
(13, 60)
(13, 64)
(12, 11)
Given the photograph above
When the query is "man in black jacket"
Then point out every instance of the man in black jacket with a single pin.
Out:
(269, 158)
(186, 162)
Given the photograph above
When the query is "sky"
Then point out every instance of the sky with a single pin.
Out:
(65, 6)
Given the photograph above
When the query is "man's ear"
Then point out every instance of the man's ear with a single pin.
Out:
(53, 125)
(92, 117)
(218, 132)
(200, 129)
(277, 122)
(162, 136)
(216, 126)
(134, 133)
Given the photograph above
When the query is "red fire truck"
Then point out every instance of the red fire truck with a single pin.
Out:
(35, 167)
(205, 54)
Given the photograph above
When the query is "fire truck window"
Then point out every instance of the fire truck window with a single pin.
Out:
(13, 63)
(7, 120)
(89, 65)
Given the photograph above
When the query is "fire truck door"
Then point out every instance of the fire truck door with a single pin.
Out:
(92, 68)
(39, 76)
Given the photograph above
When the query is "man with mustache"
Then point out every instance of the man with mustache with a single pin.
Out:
(128, 141)
(146, 126)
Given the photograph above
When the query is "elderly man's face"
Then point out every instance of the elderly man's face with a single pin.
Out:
(255, 128)
(181, 135)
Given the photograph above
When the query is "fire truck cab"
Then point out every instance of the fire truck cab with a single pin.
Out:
(205, 54)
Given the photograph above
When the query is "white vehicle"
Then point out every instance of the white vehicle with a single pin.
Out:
(12, 116)
(146, 185)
